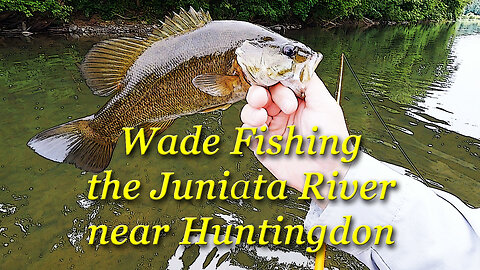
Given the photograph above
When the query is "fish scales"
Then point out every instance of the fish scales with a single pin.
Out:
(190, 65)
(154, 82)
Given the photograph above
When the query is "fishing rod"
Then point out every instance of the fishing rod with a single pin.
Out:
(340, 80)
(395, 141)
(320, 256)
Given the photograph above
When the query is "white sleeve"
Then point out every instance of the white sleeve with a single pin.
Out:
(431, 229)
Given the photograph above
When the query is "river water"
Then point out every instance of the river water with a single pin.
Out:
(424, 80)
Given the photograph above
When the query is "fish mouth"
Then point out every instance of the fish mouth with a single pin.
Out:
(307, 73)
(315, 62)
(309, 69)
(298, 83)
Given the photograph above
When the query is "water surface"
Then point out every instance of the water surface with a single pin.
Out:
(423, 79)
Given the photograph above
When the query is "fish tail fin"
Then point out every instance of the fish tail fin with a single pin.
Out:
(77, 143)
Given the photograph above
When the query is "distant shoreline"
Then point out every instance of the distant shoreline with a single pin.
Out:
(98, 27)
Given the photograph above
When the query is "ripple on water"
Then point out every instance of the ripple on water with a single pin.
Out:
(7, 209)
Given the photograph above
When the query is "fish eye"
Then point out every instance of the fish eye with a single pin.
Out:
(289, 50)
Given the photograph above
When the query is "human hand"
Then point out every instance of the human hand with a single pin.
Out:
(278, 108)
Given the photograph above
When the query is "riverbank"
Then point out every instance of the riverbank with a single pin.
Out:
(32, 16)
(95, 26)
(77, 27)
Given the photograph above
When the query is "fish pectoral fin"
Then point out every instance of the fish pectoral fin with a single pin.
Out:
(217, 85)
(220, 107)
(162, 126)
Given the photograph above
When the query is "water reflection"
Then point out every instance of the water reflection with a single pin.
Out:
(237, 257)
(419, 77)
(412, 74)
(458, 105)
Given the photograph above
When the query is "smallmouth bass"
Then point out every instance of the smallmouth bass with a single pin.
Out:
(189, 65)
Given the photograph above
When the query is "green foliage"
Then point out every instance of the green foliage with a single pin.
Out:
(261, 11)
(455, 7)
(404, 10)
(302, 8)
(331, 9)
(107, 9)
(52, 8)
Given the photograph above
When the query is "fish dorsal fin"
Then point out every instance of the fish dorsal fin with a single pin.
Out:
(106, 64)
(181, 23)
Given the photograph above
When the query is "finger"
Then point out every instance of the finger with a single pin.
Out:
(253, 116)
(269, 102)
(257, 96)
(269, 120)
(253, 143)
(278, 124)
(284, 98)
(272, 109)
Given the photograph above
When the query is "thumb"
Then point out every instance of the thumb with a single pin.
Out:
(317, 95)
